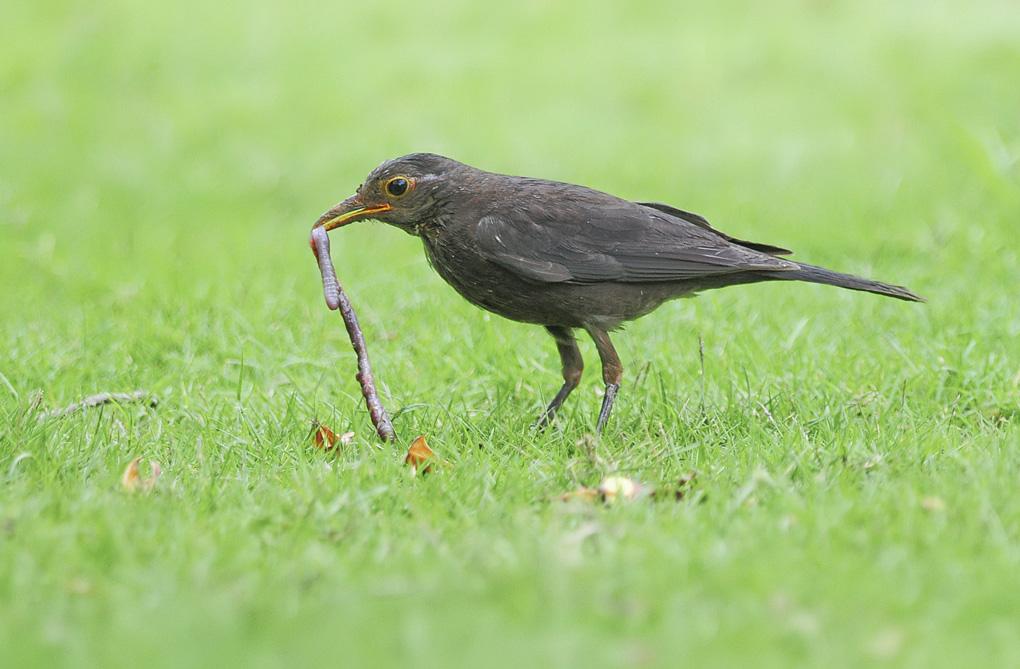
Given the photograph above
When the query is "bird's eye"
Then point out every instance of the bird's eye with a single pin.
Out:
(397, 186)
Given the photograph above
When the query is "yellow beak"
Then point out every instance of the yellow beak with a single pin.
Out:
(348, 211)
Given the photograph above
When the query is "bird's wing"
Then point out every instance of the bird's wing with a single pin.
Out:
(702, 222)
(613, 241)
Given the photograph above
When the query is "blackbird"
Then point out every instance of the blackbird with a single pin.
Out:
(565, 256)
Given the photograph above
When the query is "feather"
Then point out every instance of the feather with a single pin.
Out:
(563, 241)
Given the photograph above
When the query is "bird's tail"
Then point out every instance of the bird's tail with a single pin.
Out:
(813, 274)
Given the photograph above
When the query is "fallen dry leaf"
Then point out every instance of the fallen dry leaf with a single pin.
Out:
(327, 440)
(418, 454)
(132, 481)
(324, 437)
(582, 494)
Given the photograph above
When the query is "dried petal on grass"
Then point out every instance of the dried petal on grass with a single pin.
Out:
(419, 454)
(612, 489)
(327, 439)
(131, 480)
(615, 488)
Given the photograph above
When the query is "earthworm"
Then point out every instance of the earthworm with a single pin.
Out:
(337, 299)
(330, 285)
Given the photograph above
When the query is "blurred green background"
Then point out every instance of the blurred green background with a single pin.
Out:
(856, 458)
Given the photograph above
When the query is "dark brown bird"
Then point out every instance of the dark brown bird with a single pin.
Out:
(565, 256)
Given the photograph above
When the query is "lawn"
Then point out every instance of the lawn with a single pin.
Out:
(856, 460)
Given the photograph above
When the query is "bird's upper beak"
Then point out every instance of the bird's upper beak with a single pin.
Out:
(350, 210)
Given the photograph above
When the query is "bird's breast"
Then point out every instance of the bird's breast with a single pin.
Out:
(483, 283)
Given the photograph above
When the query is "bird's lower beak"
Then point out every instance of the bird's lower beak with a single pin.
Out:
(350, 210)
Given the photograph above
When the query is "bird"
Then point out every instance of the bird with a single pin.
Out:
(566, 257)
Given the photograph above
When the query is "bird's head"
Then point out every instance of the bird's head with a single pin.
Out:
(403, 192)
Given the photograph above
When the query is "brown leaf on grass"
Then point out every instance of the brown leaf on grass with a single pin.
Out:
(582, 494)
(323, 437)
(327, 439)
(131, 480)
(419, 454)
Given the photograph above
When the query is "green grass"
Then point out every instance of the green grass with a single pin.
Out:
(857, 459)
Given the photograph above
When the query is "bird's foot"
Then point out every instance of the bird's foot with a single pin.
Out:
(550, 412)
(607, 406)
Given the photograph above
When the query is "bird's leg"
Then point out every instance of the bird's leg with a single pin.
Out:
(612, 372)
(573, 366)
